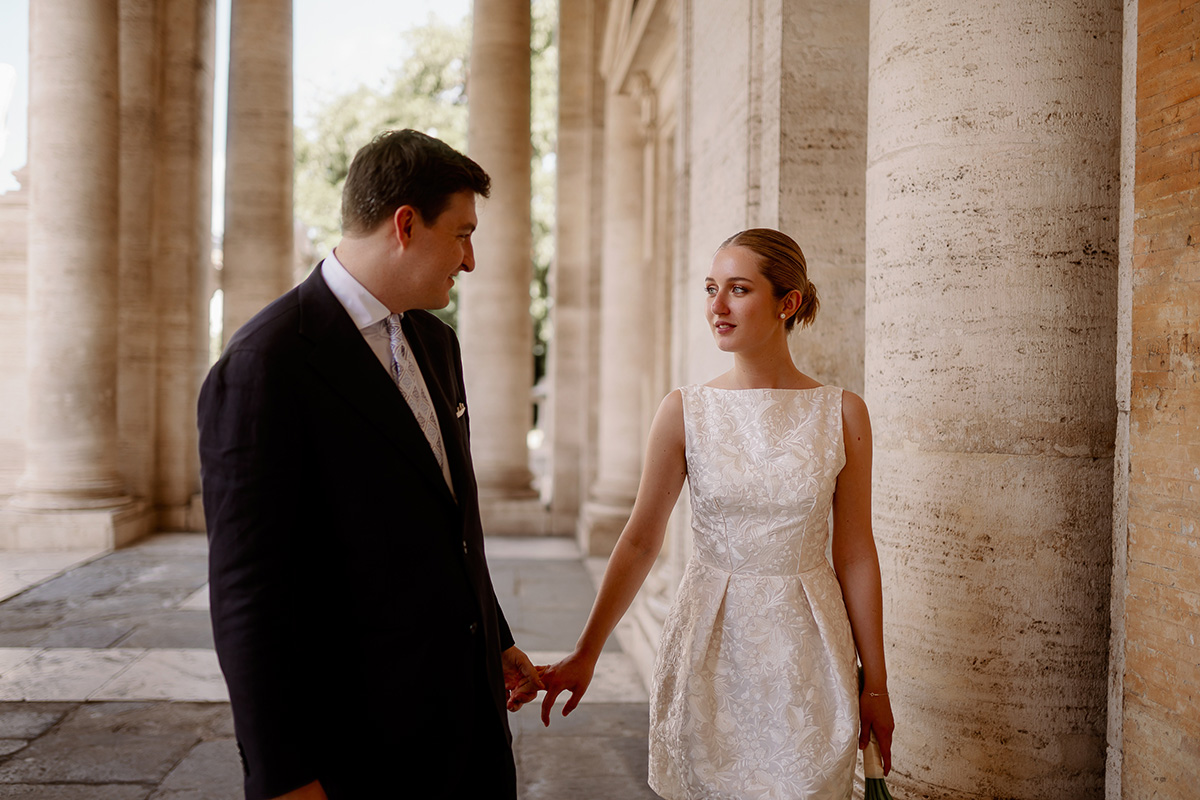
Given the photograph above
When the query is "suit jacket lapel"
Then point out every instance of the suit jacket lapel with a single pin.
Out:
(341, 355)
(443, 391)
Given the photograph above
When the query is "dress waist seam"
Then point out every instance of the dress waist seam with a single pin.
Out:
(748, 574)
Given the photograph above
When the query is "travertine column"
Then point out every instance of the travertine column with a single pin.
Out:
(991, 282)
(137, 335)
(183, 255)
(258, 166)
(494, 319)
(576, 262)
(73, 112)
(623, 323)
(812, 154)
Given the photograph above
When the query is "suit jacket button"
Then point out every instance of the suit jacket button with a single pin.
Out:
(474, 627)
(464, 548)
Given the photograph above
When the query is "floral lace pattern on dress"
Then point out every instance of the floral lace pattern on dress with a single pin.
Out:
(755, 689)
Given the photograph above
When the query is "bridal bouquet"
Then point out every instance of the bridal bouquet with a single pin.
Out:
(876, 789)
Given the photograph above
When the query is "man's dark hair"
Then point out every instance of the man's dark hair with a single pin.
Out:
(406, 168)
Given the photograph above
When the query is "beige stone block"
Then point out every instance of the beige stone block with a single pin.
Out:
(73, 530)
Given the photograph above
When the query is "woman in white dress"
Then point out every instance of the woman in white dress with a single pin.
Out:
(755, 691)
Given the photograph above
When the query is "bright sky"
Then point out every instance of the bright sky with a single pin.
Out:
(339, 44)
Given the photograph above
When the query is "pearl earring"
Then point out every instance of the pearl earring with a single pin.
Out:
(783, 316)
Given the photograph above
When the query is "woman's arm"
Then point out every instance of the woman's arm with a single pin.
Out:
(857, 566)
(632, 558)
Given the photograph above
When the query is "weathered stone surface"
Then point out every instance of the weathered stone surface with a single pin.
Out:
(494, 322)
(605, 744)
(992, 178)
(258, 167)
(211, 771)
(23, 721)
(77, 792)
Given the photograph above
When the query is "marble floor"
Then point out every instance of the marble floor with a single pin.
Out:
(95, 647)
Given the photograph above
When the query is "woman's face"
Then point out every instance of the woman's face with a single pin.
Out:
(742, 309)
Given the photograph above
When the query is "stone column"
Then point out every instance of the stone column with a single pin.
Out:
(494, 319)
(812, 154)
(71, 440)
(137, 335)
(623, 323)
(183, 251)
(991, 233)
(578, 174)
(258, 160)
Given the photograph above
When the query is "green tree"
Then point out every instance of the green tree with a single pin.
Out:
(428, 92)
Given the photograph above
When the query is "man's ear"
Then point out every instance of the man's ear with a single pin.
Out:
(403, 221)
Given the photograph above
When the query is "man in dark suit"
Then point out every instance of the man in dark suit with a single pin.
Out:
(354, 617)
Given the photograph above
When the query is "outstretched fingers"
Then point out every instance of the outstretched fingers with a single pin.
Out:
(548, 703)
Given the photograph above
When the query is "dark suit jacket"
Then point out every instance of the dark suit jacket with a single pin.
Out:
(353, 613)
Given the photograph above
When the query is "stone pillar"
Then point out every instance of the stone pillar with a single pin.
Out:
(576, 262)
(137, 335)
(623, 321)
(992, 203)
(811, 154)
(183, 251)
(71, 440)
(258, 160)
(494, 319)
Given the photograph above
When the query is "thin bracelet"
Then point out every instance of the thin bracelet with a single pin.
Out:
(877, 694)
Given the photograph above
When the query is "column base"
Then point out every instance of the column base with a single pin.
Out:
(185, 518)
(514, 516)
(107, 528)
(600, 525)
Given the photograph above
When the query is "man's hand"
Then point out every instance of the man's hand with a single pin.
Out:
(312, 791)
(572, 674)
(520, 678)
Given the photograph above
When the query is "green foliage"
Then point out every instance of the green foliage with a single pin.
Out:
(544, 132)
(428, 92)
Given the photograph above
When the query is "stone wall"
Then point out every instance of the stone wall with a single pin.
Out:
(1161, 725)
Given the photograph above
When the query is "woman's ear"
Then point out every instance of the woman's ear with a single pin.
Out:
(791, 302)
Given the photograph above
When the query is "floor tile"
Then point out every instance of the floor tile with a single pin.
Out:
(550, 548)
(197, 601)
(13, 657)
(20, 570)
(64, 674)
(210, 771)
(180, 675)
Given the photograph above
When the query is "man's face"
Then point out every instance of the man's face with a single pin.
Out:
(438, 251)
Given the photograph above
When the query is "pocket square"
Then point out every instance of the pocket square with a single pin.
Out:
(462, 409)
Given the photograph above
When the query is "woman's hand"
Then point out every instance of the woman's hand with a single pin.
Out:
(875, 711)
(573, 674)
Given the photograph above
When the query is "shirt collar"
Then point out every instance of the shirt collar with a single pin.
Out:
(363, 307)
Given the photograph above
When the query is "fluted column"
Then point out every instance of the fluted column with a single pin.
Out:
(623, 323)
(494, 319)
(992, 177)
(71, 442)
(183, 254)
(258, 168)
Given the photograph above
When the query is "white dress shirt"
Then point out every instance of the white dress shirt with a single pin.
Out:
(370, 317)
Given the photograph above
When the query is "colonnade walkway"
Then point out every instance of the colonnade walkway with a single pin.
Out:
(110, 690)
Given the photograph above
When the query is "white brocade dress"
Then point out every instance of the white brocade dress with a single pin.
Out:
(755, 689)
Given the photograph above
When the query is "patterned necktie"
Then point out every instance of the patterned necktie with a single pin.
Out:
(407, 378)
